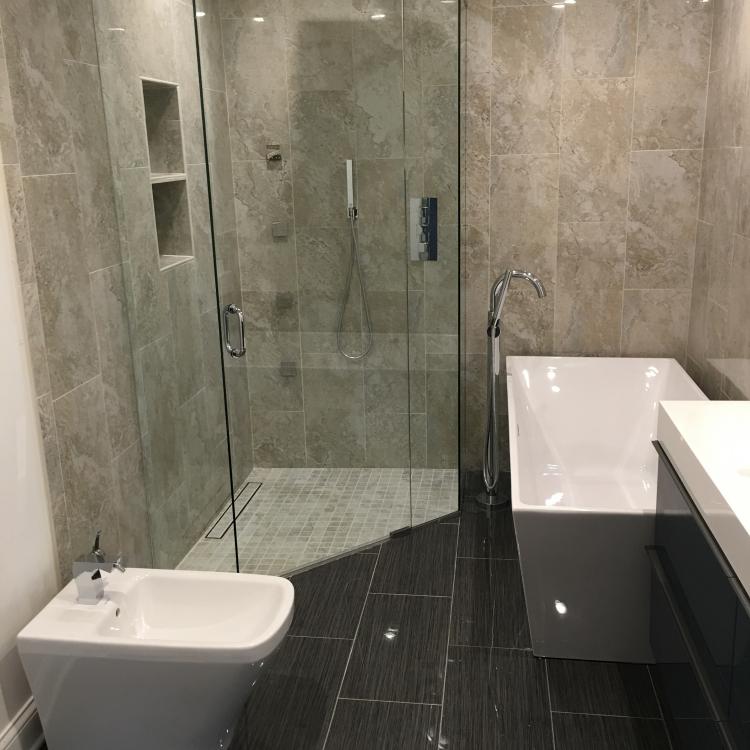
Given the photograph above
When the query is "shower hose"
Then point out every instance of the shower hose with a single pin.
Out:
(354, 261)
(490, 469)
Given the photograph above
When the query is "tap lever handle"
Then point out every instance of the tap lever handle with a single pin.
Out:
(96, 550)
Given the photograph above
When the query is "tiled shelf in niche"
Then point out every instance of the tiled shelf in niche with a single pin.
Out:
(161, 102)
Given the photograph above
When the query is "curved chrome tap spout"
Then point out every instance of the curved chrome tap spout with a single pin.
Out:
(500, 291)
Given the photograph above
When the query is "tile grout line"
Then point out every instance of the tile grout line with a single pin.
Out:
(658, 703)
(607, 716)
(549, 703)
(351, 651)
(376, 700)
(448, 638)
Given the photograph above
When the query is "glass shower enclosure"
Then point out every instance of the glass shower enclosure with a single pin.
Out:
(292, 296)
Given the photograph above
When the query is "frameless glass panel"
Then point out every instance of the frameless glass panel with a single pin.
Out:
(149, 75)
(431, 99)
(307, 183)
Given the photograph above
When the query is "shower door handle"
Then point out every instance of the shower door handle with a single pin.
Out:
(234, 310)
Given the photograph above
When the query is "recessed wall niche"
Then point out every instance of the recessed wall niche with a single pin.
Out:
(167, 167)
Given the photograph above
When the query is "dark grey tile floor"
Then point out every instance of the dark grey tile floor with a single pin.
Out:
(423, 642)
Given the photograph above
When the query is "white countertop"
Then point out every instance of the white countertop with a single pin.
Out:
(708, 443)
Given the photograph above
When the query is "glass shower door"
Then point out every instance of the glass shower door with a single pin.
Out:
(307, 160)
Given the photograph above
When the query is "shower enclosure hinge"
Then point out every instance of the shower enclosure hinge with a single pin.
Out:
(423, 229)
(400, 532)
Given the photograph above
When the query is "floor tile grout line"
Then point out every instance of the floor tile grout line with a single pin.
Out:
(375, 700)
(607, 716)
(321, 637)
(448, 638)
(549, 703)
(351, 651)
(658, 703)
(424, 596)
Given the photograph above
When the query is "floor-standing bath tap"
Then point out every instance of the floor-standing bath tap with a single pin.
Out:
(490, 469)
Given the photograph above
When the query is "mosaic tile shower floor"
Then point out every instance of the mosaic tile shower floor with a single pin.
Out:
(299, 516)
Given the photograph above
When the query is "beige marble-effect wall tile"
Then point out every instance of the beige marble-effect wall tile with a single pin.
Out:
(724, 109)
(58, 509)
(132, 508)
(17, 202)
(256, 84)
(664, 189)
(381, 228)
(186, 331)
(275, 388)
(150, 295)
(699, 297)
(78, 31)
(475, 400)
(266, 311)
(335, 438)
(118, 380)
(590, 272)
(674, 41)
(738, 309)
(655, 323)
(720, 190)
(526, 56)
(8, 145)
(600, 39)
(319, 47)
(211, 45)
(436, 25)
(155, 377)
(86, 465)
(64, 291)
(219, 161)
(477, 19)
(323, 257)
(186, 74)
(387, 440)
(528, 322)
(279, 438)
(388, 391)
(440, 105)
(35, 337)
(323, 137)
(524, 214)
(594, 149)
(442, 419)
(263, 196)
(34, 48)
(477, 149)
(743, 207)
(93, 167)
(475, 289)
(272, 348)
(378, 84)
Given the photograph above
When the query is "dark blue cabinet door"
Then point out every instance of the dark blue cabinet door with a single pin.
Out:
(702, 578)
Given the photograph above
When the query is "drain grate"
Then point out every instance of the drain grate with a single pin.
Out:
(223, 522)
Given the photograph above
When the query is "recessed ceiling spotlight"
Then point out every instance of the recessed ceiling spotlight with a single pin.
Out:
(200, 13)
(559, 5)
(377, 16)
(259, 19)
(569, 2)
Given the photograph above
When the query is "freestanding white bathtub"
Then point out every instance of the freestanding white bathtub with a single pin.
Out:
(583, 487)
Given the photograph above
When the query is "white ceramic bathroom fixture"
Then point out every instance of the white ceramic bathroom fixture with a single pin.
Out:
(583, 486)
(164, 661)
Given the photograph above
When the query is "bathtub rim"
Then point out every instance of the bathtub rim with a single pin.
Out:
(517, 504)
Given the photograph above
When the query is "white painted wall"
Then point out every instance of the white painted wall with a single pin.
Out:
(27, 561)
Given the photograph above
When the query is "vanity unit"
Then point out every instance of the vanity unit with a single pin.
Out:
(700, 563)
